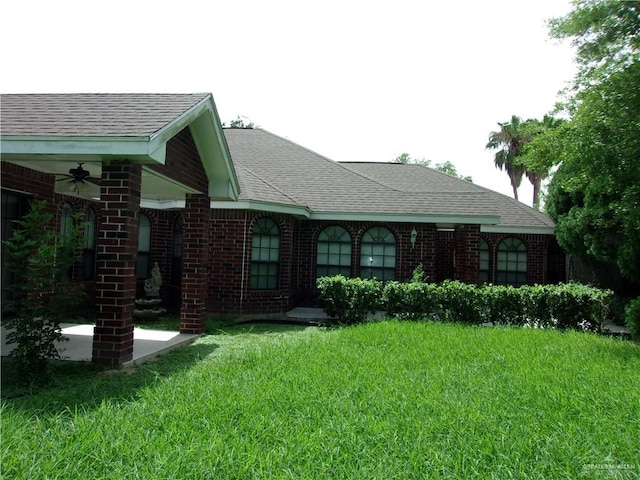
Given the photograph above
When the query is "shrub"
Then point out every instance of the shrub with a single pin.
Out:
(504, 304)
(564, 306)
(579, 307)
(40, 293)
(462, 302)
(632, 317)
(411, 300)
(349, 300)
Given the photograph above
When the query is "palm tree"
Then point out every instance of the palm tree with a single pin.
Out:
(509, 141)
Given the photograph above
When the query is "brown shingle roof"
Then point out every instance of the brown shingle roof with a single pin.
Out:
(421, 180)
(288, 170)
(92, 114)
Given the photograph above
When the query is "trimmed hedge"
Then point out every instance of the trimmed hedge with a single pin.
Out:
(349, 300)
(564, 306)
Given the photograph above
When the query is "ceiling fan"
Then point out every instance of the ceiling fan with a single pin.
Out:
(77, 177)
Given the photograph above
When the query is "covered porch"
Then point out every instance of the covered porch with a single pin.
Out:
(136, 150)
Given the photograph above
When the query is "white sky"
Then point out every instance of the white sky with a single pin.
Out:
(352, 80)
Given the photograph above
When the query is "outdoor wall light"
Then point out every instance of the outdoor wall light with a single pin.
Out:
(414, 237)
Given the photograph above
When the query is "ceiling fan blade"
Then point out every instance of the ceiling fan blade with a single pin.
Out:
(95, 181)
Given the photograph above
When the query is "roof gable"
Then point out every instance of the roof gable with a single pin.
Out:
(45, 131)
(92, 114)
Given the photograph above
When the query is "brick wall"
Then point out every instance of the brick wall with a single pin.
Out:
(182, 162)
(195, 263)
(22, 179)
(443, 254)
(230, 256)
(41, 186)
(116, 259)
(537, 253)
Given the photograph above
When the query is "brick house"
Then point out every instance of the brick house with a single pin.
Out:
(241, 220)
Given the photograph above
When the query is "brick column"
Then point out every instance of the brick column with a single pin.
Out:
(116, 244)
(467, 253)
(195, 262)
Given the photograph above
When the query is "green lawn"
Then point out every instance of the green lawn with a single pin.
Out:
(385, 400)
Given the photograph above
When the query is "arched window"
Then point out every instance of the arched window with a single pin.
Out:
(89, 251)
(511, 264)
(143, 260)
(66, 228)
(378, 254)
(66, 220)
(485, 263)
(265, 255)
(176, 251)
(334, 252)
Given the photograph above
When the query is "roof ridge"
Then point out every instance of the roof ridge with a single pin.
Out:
(279, 190)
(369, 178)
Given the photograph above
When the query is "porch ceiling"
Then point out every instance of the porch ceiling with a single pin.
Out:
(155, 187)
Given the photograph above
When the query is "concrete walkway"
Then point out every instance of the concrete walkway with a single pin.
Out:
(147, 344)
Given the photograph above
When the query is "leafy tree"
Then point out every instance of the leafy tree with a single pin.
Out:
(445, 167)
(537, 155)
(595, 194)
(240, 122)
(451, 170)
(41, 294)
(606, 34)
(406, 159)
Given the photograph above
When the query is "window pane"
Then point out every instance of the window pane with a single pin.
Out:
(378, 254)
(144, 233)
(512, 262)
(333, 250)
(90, 229)
(142, 265)
(177, 238)
(265, 255)
(66, 222)
(89, 253)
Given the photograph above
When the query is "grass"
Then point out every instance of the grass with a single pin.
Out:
(384, 400)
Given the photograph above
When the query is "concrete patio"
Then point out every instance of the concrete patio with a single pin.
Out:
(147, 344)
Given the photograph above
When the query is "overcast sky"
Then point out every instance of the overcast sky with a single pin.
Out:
(351, 80)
